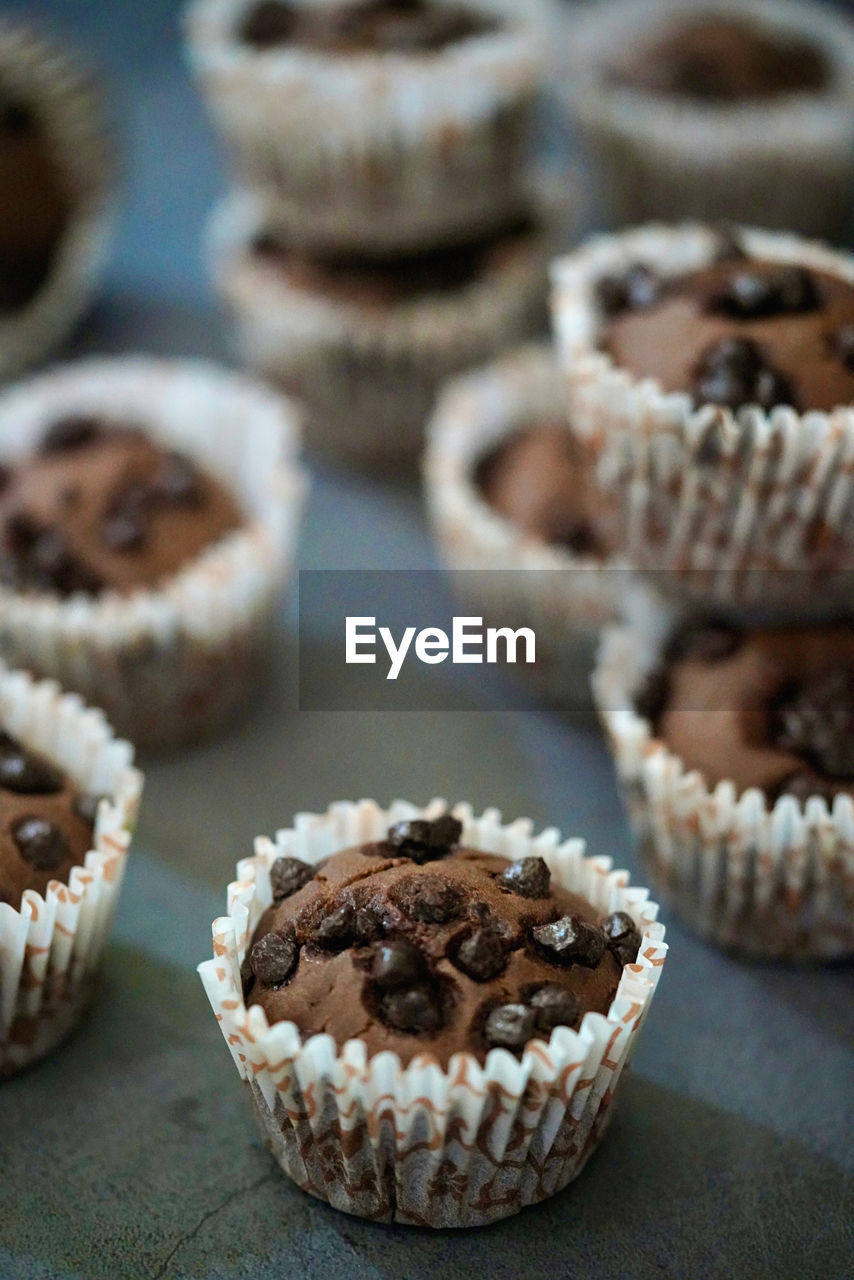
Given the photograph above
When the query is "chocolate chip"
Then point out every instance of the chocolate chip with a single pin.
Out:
(288, 875)
(732, 372)
(86, 806)
(841, 345)
(637, 288)
(510, 1026)
(815, 718)
(481, 955)
(527, 877)
(622, 936)
(337, 930)
(123, 531)
(554, 1006)
(39, 558)
(72, 432)
(751, 295)
(40, 843)
(397, 963)
(427, 898)
(268, 23)
(422, 840)
(571, 940)
(366, 925)
(28, 774)
(177, 480)
(273, 957)
(651, 699)
(414, 1010)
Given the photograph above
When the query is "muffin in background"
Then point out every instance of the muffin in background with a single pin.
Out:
(733, 748)
(379, 127)
(708, 380)
(57, 178)
(148, 521)
(424, 1143)
(506, 490)
(69, 798)
(365, 342)
(725, 109)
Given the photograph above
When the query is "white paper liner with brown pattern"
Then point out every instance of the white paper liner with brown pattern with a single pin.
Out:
(175, 661)
(733, 510)
(52, 947)
(368, 377)
(566, 598)
(421, 1145)
(66, 99)
(381, 151)
(786, 162)
(772, 881)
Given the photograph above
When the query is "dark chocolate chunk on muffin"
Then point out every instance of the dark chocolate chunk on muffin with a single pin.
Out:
(417, 944)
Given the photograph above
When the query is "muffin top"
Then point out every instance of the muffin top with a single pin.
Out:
(35, 207)
(46, 822)
(738, 331)
(767, 709)
(102, 507)
(376, 283)
(534, 479)
(720, 58)
(362, 26)
(417, 945)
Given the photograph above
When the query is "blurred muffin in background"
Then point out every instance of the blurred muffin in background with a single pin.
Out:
(377, 125)
(56, 194)
(723, 109)
(506, 490)
(364, 340)
(148, 516)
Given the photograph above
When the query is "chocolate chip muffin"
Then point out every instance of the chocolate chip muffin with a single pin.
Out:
(739, 331)
(416, 944)
(378, 26)
(102, 507)
(46, 822)
(766, 709)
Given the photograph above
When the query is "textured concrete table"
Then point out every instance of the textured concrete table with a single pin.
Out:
(130, 1153)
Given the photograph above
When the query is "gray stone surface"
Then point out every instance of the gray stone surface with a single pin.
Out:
(130, 1154)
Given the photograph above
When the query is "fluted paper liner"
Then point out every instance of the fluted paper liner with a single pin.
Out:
(69, 107)
(727, 505)
(170, 662)
(368, 377)
(785, 162)
(442, 1148)
(565, 598)
(768, 880)
(382, 151)
(51, 948)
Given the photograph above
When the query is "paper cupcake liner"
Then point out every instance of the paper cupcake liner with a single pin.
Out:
(422, 1145)
(368, 378)
(786, 163)
(565, 598)
(382, 151)
(51, 949)
(731, 509)
(69, 106)
(774, 881)
(172, 662)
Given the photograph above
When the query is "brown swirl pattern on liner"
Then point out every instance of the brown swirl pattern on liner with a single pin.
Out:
(51, 949)
(717, 504)
(420, 1145)
(70, 100)
(566, 598)
(773, 881)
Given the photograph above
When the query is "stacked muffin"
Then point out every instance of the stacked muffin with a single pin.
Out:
(383, 232)
(710, 384)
